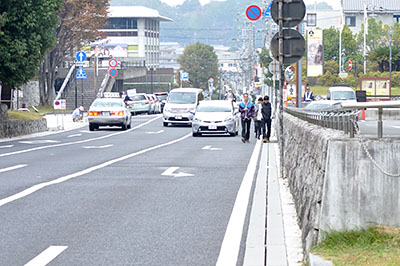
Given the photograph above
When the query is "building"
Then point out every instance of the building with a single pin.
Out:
(169, 54)
(387, 11)
(132, 32)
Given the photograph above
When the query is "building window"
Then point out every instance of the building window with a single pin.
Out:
(350, 21)
(121, 24)
(396, 18)
(311, 20)
(121, 34)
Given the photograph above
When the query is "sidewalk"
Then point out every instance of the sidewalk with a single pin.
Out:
(63, 122)
(274, 237)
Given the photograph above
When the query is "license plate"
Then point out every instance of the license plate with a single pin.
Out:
(213, 126)
(178, 117)
(105, 113)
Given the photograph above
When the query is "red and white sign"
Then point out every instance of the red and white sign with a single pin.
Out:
(60, 104)
(113, 63)
(211, 80)
(113, 72)
(350, 65)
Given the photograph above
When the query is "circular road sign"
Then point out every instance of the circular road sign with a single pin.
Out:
(350, 65)
(273, 67)
(113, 72)
(289, 73)
(292, 13)
(253, 12)
(211, 80)
(113, 62)
(293, 46)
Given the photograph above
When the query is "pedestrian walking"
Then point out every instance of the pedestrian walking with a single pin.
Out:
(246, 109)
(258, 117)
(266, 111)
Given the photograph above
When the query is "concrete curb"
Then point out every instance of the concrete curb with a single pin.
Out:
(315, 260)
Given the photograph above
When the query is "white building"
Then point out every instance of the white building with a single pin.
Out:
(132, 31)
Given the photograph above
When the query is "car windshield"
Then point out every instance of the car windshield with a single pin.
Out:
(107, 104)
(343, 95)
(315, 106)
(214, 108)
(182, 98)
(162, 97)
(138, 98)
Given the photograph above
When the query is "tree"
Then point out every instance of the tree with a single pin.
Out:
(331, 44)
(265, 59)
(79, 24)
(26, 33)
(201, 62)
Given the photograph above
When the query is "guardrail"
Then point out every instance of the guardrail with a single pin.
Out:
(343, 117)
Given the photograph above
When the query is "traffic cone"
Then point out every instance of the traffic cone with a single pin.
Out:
(363, 114)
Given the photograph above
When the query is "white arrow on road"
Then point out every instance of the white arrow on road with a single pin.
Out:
(158, 132)
(170, 172)
(98, 147)
(6, 146)
(210, 148)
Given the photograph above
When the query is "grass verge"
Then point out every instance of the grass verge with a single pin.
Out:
(378, 245)
(22, 115)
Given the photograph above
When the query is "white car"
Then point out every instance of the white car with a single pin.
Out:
(156, 104)
(341, 93)
(109, 112)
(215, 117)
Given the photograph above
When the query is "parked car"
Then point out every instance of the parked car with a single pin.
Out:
(162, 97)
(139, 104)
(341, 93)
(156, 105)
(109, 112)
(181, 106)
(215, 117)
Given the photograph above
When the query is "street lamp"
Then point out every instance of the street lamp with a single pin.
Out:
(390, 31)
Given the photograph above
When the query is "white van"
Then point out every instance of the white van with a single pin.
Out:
(181, 106)
(341, 93)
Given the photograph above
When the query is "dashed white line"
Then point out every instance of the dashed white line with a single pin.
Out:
(6, 146)
(229, 252)
(98, 147)
(80, 141)
(210, 148)
(12, 168)
(46, 256)
(59, 180)
(44, 141)
(74, 135)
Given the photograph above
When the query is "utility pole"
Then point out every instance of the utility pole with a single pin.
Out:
(281, 81)
(340, 36)
(365, 36)
(250, 67)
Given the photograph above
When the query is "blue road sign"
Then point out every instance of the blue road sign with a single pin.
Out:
(81, 74)
(267, 13)
(81, 56)
(185, 76)
(211, 84)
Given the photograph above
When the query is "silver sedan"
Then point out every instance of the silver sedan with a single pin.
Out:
(109, 112)
(215, 117)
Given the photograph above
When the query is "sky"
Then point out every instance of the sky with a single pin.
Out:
(334, 3)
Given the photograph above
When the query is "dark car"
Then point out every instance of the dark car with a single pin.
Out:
(162, 97)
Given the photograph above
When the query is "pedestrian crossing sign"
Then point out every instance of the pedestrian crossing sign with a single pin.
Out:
(81, 73)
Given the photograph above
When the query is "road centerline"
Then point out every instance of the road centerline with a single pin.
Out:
(79, 141)
(47, 256)
(59, 180)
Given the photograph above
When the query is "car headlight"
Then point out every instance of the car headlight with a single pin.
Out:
(229, 119)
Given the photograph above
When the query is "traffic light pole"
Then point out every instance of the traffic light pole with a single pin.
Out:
(281, 83)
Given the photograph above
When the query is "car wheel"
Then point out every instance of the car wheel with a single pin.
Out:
(129, 125)
(92, 127)
(195, 134)
(124, 126)
(165, 124)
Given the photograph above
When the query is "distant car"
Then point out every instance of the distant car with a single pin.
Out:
(109, 112)
(156, 108)
(162, 97)
(215, 117)
(321, 105)
(139, 104)
(341, 93)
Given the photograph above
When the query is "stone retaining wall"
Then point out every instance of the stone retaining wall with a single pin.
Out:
(14, 128)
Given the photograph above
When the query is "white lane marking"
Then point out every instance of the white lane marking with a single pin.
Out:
(74, 135)
(158, 132)
(12, 168)
(6, 146)
(170, 172)
(396, 126)
(229, 252)
(210, 148)
(89, 132)
(40, 141)
(80, 141)
(98, 147)
(46, 256)
(59, 180)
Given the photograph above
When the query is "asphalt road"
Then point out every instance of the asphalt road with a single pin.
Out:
(146, 196)
(391, 128)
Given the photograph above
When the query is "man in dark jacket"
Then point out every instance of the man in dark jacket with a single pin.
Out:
(266, 111)
(246, 109)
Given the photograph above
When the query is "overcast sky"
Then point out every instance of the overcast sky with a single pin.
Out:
(334, 3)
